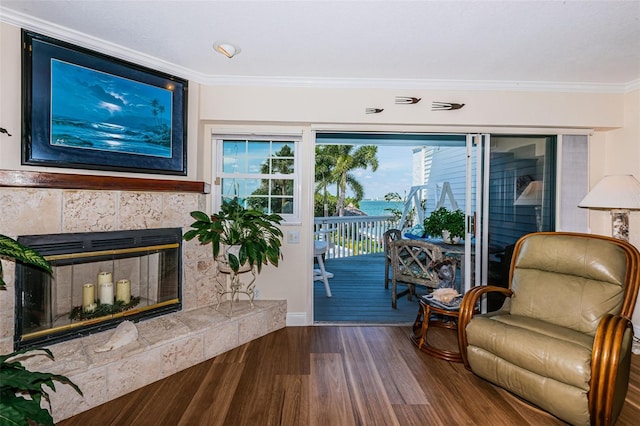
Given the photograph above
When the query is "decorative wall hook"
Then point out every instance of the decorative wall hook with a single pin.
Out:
(445, 106)
(407, 100)
(373, 110)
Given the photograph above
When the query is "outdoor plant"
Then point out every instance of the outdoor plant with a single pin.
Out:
(255, 233)
(443, 219)
(21, 390)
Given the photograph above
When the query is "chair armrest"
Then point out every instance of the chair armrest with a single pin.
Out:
(467, 310)
(610, 353)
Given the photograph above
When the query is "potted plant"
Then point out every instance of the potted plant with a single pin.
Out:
(446, 223)
(21, 390)
(241, 238)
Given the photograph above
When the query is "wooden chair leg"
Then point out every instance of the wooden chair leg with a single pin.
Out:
(386, 274)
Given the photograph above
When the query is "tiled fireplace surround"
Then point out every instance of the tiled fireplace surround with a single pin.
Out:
(165, 344)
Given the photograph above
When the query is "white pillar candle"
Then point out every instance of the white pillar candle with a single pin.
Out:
(88, 296)
(104, 277)
(123, 291)
(106, 294)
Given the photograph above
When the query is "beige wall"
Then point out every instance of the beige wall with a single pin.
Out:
(614, 148)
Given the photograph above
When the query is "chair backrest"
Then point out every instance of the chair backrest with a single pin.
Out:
(388, 237)
(572, 279)
(411, 262)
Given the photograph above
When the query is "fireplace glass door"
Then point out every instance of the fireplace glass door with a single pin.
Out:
(98, 280)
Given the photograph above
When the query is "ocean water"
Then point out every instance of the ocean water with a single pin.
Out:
(377, 207)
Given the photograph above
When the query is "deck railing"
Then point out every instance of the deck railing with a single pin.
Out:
(353, 235)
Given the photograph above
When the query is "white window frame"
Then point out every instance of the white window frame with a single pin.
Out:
(219, 174)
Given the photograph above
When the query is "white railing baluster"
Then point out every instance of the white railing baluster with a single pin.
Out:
(353, 235)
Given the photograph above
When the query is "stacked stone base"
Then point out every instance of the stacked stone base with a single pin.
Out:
(165, 345)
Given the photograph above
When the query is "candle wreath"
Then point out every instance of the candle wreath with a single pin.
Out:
(102, 310)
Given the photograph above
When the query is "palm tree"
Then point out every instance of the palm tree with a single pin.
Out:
(326, 156)
(348, 160)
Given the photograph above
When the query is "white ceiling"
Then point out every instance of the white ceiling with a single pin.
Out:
(375, 43)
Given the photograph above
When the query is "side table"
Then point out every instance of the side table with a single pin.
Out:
(443, 316)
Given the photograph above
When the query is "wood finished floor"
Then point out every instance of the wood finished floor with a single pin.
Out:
(330, 375)
(359, 296)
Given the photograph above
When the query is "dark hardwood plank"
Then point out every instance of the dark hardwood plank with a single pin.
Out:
(329, 396)
(370, 401)
(330, 375)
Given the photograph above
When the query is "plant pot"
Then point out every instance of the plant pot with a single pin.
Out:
(446, 237)
(223, 260)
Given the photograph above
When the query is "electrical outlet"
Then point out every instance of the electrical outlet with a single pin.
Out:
(293, 236)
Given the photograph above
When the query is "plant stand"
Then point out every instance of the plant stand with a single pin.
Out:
(236, 287)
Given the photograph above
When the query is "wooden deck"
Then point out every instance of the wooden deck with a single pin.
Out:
(359, 296)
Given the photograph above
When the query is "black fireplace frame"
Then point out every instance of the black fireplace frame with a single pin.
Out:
(93, 242)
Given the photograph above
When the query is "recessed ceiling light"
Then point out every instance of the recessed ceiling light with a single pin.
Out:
(227, 49)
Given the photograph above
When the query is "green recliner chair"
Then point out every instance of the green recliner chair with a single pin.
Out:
(563, 338)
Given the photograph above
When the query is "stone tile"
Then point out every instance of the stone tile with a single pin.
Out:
(276, 316)
(162, 330)
(194, 250)
(89, 211)
(182, 354)
(22, 211)
(177, 208)
(69, 358)
(6, 345)
(204, 277)
(66, 402)
(133, 373)
(220, 339)
(7, 301)
(251, 327)
(140, 210)
(201, 318)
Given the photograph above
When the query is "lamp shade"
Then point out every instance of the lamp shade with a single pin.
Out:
(614, 192)
(531, 196)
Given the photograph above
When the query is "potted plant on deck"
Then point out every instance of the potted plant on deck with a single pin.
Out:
(446, 223)
(241, 238)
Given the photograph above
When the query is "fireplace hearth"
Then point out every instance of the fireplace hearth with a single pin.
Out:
(99, 280)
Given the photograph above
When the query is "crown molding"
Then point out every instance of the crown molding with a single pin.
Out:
(50, 29)
(417, 84)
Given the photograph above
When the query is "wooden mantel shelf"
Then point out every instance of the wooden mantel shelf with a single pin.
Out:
(15, 178)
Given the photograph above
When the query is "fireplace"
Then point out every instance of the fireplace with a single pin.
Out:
(99, 279)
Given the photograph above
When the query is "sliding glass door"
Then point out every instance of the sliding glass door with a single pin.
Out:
(520, 182)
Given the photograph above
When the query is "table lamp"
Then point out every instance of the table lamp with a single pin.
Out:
(532, 196)
(618, 193)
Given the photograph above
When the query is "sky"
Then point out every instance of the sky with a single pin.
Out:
(394, 172)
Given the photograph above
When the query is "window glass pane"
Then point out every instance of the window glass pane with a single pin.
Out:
(284, 166)
(282, 149)
(263, 160)
(282, 187)
(282, 205)
(258, 150)
(258, 166)
(234, 157)
(259, 203)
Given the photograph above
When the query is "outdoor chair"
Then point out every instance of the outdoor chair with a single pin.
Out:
(562, 340)
(411, 265)
(388, 237)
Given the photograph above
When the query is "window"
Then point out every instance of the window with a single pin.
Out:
(261, 173)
